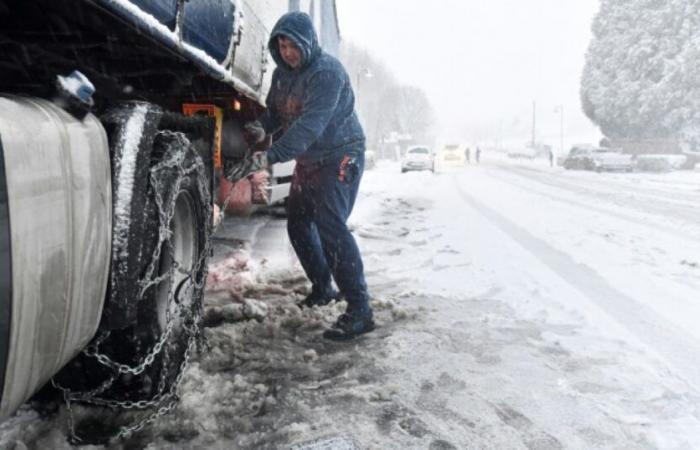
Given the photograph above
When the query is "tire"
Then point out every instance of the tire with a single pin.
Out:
(173, 195)
(180, 203)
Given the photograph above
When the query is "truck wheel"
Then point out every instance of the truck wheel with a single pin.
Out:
(174, 246)
(180, 200)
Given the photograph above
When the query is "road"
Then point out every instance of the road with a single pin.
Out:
(519, 306)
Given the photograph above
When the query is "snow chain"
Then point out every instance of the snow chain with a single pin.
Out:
(166, 399)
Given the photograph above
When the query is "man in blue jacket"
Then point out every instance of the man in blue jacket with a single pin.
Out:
(311, 108)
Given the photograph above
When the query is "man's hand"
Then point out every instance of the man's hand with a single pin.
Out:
(253, 133)
(252, 163)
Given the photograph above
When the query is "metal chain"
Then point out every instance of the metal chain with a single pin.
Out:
(165, 400)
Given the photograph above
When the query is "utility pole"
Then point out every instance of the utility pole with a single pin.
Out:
(560, 109)
(534, 113)
(366, 73)
(561, 131)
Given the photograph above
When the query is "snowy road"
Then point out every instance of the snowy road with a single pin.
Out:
(649, 318)
(519, 307)
(563, 303)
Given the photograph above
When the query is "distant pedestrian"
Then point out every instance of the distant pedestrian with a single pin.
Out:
(551, 158)
(467, 154)
(478, 155)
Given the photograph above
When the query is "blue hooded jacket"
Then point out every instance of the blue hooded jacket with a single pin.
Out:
(313, 105)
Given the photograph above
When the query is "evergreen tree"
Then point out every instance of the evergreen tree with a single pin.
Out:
(641, 77)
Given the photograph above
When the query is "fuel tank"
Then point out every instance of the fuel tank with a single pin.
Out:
(55, 238)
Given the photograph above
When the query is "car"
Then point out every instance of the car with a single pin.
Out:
(451, 155)
(418, 157)
(598, 159)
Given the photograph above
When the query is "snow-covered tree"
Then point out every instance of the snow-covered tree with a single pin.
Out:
(384, 105)
(407, 110)
(641, 77)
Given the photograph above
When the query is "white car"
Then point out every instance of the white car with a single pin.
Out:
(598, 159)
(418, 158)
(450, 156)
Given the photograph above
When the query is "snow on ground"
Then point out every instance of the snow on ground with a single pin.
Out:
(519, 306)
(597, 381)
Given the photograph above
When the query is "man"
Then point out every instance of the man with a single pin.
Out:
(311, 107)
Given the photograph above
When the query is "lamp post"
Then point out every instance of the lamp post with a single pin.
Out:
(560, 109)
(361, 73)
(366, 73)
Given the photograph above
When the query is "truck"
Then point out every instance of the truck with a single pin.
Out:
(118, 119)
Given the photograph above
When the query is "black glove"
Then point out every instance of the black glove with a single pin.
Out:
(253, 162)
(253, 133)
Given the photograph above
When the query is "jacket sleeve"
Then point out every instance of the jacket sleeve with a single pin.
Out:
(318, 105)
(269, 119)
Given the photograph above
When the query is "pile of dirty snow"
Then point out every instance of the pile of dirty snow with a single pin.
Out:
(264, 377)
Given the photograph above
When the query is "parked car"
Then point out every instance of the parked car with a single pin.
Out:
(598, 159)
(451, 155)
(418, 158)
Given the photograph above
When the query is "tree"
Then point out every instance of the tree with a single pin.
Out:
(640, 79)
(384, 105)
(407, 110)
(368, 89)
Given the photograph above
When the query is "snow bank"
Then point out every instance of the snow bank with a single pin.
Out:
(659, 163)
(266, 370)
(262, 378)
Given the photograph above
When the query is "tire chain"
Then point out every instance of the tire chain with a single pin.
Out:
(163, 402)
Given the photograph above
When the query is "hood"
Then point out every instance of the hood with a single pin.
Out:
(298, 27)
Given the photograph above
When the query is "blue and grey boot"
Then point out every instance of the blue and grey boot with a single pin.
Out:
(319, 298)
(350, 325)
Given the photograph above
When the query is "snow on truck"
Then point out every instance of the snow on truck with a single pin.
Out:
(117, 120)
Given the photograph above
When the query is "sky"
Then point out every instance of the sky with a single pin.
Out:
(483, 63)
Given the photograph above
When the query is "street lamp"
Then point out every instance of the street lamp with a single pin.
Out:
(366, 73)
(560, 109)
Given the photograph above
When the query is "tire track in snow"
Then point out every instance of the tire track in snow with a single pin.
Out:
(669, 195)
(673, 344)
(687, 212)
(657, 226)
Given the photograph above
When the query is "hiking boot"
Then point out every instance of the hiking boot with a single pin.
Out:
(316, 299)
(348, 326)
